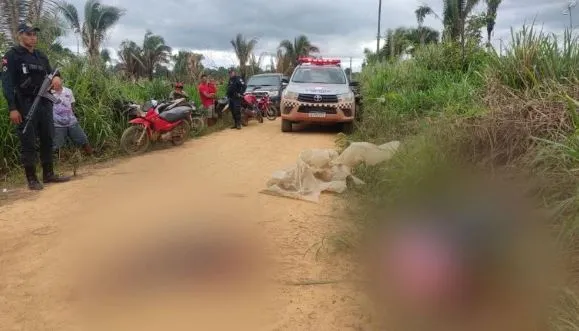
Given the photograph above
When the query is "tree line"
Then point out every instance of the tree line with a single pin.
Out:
(462, 26)
(148, 59)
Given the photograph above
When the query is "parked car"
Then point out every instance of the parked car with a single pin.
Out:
(272, 83)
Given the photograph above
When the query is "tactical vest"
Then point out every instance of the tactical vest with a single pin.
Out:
(32, 71)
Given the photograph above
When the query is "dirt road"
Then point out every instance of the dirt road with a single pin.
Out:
(49, 239)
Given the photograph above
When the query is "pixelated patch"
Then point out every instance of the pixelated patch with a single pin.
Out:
(4, 64)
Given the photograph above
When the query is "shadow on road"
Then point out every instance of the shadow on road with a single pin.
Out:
(316, 128)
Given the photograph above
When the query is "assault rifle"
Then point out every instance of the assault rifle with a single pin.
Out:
(43, 92)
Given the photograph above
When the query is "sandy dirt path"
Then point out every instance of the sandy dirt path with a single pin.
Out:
(46, 238)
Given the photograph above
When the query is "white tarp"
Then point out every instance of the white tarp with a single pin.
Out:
(319, 170)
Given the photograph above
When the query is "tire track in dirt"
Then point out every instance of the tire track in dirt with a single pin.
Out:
(215, 177)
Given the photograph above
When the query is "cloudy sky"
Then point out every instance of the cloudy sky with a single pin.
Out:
(340, 28)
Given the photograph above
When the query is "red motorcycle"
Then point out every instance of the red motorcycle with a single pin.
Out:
(256, 105)
(265, 105)
(165, 122)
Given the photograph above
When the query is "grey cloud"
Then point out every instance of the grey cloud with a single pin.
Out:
(340, 27)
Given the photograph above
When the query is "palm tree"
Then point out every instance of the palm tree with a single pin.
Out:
(405, 40)
(421, 13)
(455, 15)
(283, 63)
(70, 14)
(154, 52)
(492, 8)
(98, 20)
(12, 12)
(243, 50)
(187, 66)
(301, 46)
(130, 63)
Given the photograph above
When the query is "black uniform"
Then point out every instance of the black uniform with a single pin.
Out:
(235, 90)
(22, 75)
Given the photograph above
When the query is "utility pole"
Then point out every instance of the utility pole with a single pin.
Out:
(350, 74)
(378, 34)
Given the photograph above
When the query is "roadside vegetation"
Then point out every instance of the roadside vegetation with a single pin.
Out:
(144, 70)
(458, 97)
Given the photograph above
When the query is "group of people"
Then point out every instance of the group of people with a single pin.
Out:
(207, 89)
(24, 69)
(208, 94)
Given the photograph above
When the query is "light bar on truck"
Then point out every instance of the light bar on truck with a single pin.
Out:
(318, 61)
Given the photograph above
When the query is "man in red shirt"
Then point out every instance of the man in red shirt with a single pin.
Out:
(207, 93)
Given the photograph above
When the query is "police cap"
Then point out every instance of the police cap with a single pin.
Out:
(27, 27)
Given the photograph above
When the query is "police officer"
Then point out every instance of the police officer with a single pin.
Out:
(23, 71)
(235, 90)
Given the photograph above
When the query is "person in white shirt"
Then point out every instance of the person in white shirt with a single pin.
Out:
(65, 122)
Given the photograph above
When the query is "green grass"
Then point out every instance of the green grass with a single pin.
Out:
(443, 112)
(97, 93)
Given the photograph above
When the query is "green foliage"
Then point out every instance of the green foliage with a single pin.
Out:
(431, 101)
(98, 94)
(243, 49)
(292, 50)
(146, 60)
(535, 57)
(397, 94)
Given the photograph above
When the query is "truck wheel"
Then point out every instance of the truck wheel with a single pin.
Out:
(348, 127)
(286, 126)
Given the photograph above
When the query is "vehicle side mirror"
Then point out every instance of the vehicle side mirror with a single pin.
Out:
(354, 84)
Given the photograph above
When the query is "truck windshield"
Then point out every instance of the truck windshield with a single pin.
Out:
(321, 75)
(263, 81)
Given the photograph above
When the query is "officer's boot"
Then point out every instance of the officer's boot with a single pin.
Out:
(32, 179)
(48, 175)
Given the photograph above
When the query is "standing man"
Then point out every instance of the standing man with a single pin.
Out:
(235, 90)
(207, 95)
(23, 71)
(65, 122)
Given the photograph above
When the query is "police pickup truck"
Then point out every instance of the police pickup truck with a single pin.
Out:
(318, 92)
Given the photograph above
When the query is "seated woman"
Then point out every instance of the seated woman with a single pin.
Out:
(65, 122)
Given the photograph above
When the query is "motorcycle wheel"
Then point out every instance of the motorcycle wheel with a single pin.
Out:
(198, 124)
(244, 120)
(271, 113)
(135, 140)
(180, 133)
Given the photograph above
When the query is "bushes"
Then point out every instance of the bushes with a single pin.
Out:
(98, 96)
(499, 113)
(398, 94)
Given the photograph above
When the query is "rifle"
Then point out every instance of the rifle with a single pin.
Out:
(43, 92)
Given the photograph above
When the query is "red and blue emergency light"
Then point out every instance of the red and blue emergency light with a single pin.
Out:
(318, 61)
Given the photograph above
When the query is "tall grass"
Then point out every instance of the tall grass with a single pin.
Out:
(432, 103)
(535, 58)
(398, 94)
(98, 95)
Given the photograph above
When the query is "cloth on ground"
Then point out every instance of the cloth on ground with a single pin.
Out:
(319, 170)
